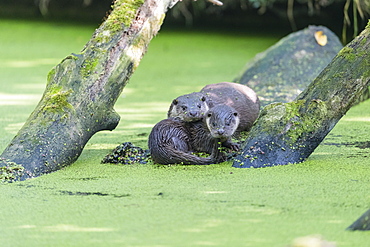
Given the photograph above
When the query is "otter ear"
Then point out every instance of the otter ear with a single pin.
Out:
(175, 102)
(235, 114)
(203, 98)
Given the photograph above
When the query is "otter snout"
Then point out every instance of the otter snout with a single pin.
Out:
(193, 113)
(220, 131)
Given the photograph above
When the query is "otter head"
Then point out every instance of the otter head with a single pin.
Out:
(188, 107)
(222, 121)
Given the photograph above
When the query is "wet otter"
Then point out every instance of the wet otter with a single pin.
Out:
(222, 122)
(240, 97)
(173, 141)
(189, 107)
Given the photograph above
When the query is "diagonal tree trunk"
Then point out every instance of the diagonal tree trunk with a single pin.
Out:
(82, 90)
(290, 132)
(362, 223)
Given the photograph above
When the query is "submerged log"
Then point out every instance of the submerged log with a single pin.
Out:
(362, 223)
(289, 132)
(284, 70)
(82, 90)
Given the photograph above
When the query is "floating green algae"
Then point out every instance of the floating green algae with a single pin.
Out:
(94, 204)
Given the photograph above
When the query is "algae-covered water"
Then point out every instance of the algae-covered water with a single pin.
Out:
(94, 204)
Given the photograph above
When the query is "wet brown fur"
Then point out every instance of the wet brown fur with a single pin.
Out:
(173, 141)
(240, 97)
(199, 121)
(192, 107)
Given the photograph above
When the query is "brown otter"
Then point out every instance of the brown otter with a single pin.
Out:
(240, 97)
(173, 141)
(222, 122)
(192, 107)
(189, 107)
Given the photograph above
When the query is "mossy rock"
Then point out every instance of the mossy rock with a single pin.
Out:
(127, 154)
(283, 71)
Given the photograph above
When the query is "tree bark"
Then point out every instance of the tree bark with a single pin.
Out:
(289, 132)
(82, 90)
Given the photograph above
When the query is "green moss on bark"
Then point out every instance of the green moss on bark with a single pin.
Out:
(301, 123)
(347, 53)
(293, 119)
(51, 74)
(123, 14)
(88, 67)
(56, 100)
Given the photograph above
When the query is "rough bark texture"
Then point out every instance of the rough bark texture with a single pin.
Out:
(82, 90)
(362, 223)
(289, 132)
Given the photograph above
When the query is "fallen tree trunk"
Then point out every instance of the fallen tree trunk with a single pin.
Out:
(82, 90)
(284, 70)
(362, 223)
(289, 132)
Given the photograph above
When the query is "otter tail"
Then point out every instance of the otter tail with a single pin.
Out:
(170, 154)
(175, 156)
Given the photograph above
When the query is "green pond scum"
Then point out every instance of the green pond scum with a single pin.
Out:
(94, 204)
(10, 171)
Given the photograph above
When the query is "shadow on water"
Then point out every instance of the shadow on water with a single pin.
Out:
(356, 144)
(360, 145)
(79, 193)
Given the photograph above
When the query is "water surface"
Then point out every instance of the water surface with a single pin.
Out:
(94, 204)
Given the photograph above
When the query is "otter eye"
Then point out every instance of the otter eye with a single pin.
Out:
(184, 108)
(203, 98)
(209, 115)
(235, 114)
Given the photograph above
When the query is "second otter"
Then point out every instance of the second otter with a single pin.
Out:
(222, 122)
(240, 97)
(189, 107)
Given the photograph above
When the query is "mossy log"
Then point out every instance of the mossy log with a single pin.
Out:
(82, 90)
(362, 223)
(285, 69)
(289, 132)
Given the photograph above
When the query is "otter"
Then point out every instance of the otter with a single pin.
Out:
(240, 97)
(189, 107)
(222, 122)
(193, 107)
(174, 141)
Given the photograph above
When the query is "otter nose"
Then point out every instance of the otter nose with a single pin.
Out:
(220, 131)
(192, 113)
